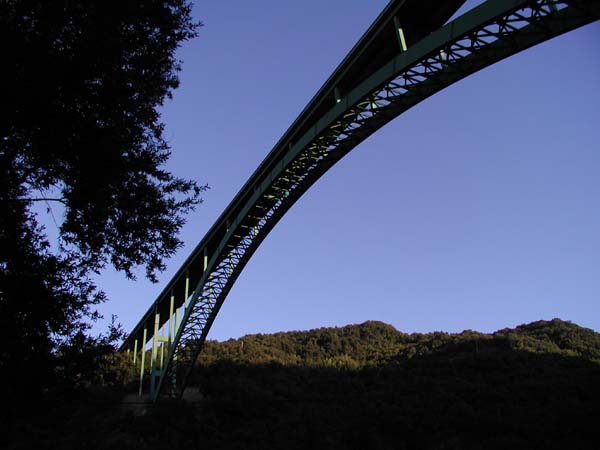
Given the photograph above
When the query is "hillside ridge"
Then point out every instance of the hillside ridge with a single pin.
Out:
(374, 343)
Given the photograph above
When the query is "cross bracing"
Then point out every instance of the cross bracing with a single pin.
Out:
(355, 102)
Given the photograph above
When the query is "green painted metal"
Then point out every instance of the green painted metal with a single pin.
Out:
(161, 358)
(154, 355)
(171, 328)
(155, 341)
(481, 37)
(187, 285)
(135, 351)
(400, 33)
(143, 362)
(337, 94)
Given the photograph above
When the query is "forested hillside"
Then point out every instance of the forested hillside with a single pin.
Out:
(372, 386)
(366, 386)
(376, 343)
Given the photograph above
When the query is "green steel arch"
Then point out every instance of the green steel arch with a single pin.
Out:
(406, 55)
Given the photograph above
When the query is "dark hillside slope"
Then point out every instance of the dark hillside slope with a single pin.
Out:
(371, 386)
(366, 386)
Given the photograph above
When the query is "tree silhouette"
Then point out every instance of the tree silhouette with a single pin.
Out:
(81, 84)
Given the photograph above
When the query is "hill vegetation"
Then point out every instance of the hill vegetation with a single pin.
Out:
(366, 386)
(375, 343)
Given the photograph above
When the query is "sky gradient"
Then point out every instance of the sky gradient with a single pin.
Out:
(476, 209)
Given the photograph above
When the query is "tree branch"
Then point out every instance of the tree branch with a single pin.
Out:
(43, 199)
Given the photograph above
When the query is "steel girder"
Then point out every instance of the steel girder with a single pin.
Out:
(489, 33)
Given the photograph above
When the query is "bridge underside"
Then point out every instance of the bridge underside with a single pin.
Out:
(405, 57)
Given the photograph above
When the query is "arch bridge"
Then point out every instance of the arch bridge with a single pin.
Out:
(407, 54)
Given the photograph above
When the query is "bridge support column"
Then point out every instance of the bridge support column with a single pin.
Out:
(204, 269)
(153, 357)
(400, 34)
(143, 360)
(187, 287)
(338, 94)
(162, 351)
(176, 326)
(172, 321)
(135, 352)
(155, 341)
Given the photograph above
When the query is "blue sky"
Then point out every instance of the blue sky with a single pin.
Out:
(477, 209)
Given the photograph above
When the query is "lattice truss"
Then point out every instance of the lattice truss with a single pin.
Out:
(454, 60)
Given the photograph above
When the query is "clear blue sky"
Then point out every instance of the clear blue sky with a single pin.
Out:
(479, 208)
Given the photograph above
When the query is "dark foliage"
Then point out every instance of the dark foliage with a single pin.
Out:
(81, 84)
(532, 387)
(87, 364)
(43, 297)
